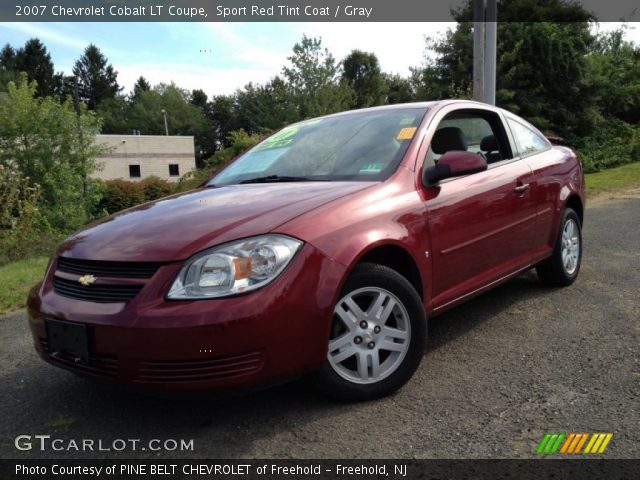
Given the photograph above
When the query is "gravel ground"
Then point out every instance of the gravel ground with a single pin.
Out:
(500, 371)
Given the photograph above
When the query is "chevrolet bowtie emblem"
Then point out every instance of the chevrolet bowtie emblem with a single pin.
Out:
(87, 280)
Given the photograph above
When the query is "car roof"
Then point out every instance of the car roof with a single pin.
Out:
(429, 104)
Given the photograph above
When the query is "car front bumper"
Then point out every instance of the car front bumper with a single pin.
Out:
(277, 332)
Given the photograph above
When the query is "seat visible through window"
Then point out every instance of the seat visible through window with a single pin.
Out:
(490, 148)
(476, 131)
(447, 139)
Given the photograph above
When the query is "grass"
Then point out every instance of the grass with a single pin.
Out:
(613, 179)
(16, 279)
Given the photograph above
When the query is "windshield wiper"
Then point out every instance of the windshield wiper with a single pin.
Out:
(276, 179)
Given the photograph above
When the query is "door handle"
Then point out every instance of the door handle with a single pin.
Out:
(521, 188)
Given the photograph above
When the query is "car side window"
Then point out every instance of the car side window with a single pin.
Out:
(474, 131)
(527, 139)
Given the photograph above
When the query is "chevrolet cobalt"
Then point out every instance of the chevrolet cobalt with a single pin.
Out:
(322, 250)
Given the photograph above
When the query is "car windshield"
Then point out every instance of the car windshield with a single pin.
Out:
(362, 146)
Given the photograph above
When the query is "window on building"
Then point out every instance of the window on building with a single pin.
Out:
(134, 171)
(174, 170)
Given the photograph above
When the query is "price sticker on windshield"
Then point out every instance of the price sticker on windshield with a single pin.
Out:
(406, 133)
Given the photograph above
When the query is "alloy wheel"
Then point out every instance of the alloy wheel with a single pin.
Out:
(570, 250)
(370, 336)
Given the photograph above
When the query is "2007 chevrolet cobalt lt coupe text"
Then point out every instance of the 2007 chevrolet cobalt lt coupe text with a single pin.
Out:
(323, 249)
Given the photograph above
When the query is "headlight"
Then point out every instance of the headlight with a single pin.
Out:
(235, 267)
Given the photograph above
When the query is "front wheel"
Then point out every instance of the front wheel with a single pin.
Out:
(377, 338)
(562, 268)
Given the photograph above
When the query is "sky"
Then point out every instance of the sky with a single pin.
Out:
(220, 57)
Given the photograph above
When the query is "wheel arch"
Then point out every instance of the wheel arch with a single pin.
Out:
(395, 257)
(574, 202)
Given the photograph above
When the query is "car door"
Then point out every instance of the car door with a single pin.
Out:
(549, 168)
(480, 224)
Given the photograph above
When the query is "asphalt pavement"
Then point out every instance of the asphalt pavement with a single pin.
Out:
(500, 371)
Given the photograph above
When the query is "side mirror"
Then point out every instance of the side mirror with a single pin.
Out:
(454, 163)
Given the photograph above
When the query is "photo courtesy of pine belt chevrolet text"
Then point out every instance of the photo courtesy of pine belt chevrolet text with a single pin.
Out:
(321, 251)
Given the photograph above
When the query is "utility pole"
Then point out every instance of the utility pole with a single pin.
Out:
(76, 106)
(478, 50)
(485, 27)
(490, 53)
(76, 95)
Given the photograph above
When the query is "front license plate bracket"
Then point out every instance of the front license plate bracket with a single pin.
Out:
(69, 339)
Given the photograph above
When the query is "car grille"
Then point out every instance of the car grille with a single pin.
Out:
(105, 290)
(100, 365)
(108, 269)
(103, 293)
(156, 371)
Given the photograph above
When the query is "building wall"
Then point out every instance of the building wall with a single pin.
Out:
(151, 153)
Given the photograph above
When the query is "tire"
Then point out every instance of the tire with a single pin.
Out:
(378, 336)
(562, 267)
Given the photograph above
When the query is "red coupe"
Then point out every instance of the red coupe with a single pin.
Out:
(323, 249)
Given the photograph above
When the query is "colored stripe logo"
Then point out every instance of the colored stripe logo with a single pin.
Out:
(573, 443)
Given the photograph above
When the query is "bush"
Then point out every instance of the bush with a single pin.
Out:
(193, 179)
(95, 192)
(121, 194)
(614, 144)
(23, 228)
(156, 187)
(52, 145)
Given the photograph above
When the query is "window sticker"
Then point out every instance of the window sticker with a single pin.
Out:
(281, 139)
(406, 133)
(372, 168)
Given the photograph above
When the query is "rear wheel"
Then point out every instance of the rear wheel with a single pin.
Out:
(377, 337)
(562, 268)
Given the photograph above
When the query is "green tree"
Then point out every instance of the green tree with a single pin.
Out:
(115, 114)
(361, 71)
(265, 107)
(312, 77)
(399, 89)
(8, 58)
(614, 73)
(141, 85)
(183, 118)
(541, 65)
(54, 149)
(614, 66)
(452, 67)
(35, 61)
(199, 99)
(97, 79)
(225, 119)
(8, 71)
(207, 137)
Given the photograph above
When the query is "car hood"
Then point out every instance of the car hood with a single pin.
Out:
(176, 227)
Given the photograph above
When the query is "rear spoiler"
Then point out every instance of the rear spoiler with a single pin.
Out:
(555, 140)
